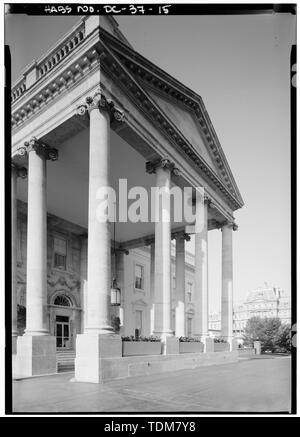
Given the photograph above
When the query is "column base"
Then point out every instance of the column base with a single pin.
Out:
(36, 355)
(170, 343)
(208, 343)
(90, 349)
(233, 343)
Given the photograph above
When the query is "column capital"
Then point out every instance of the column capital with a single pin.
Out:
(180, 235)
(229, 224)
(99, 101)
(21, 172)
(21, 152)
(42, 149)
(149, 240)
(152, 166)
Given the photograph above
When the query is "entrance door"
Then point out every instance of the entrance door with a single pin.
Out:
(63, 332)
(139, 322)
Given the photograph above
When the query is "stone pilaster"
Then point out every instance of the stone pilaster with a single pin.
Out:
(98, 339)
(36, 349)
(83, 280)
(152, 286)
(227, 282)
(15, 173)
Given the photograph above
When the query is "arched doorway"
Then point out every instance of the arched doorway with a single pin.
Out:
(63, 328)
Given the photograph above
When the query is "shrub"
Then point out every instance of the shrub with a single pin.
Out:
(140, 338)
(189, 339)
(219, 340)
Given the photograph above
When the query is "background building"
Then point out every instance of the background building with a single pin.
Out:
(262, 302)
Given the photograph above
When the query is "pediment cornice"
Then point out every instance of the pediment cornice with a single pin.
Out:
(128, 72)
(131, 71)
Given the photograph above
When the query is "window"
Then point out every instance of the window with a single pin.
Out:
(60, 253)
(138, 322)
(62, 300)
(139, 277)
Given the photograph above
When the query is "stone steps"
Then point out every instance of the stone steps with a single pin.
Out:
(65, 361)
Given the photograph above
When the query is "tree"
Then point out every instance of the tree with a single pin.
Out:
(269, 331)
(283, 339)
(253, 330)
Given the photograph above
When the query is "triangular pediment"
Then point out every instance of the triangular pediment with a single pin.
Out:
(176, 109)
(185, 121)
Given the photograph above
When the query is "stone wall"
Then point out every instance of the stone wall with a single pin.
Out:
(66, 282)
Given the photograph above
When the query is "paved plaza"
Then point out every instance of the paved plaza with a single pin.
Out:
(259, 384)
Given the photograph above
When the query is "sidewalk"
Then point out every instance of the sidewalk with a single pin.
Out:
(251, 385)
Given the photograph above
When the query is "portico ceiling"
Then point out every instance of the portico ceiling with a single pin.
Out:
(67, 183)
(171, 118)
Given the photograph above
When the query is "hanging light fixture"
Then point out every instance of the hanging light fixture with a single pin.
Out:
(115, 291)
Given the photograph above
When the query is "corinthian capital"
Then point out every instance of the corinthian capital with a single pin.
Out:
(99, 101)
(151, 166)
(21, 172)
(230, 224)
(178, 235)
(41, 149)
(21, 152)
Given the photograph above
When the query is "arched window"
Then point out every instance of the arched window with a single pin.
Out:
(62, 300)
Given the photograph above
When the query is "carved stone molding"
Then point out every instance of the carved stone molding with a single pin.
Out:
(42, 149)
(101, 102)
(149, 241)
(20, 171)
(166, 163)
(21, 152)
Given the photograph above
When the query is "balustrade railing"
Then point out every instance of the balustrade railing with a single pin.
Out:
(51, 59)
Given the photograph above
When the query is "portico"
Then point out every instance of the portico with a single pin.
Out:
(95, 112)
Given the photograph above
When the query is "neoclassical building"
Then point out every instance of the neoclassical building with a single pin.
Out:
(261, 302)
(89, 113)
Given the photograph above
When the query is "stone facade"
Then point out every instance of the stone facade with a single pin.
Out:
(262, 302)
(68, 282)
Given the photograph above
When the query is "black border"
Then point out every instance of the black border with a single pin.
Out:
(177, 9)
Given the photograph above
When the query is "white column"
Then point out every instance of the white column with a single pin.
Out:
(14, 327)
(201, 272)
(36, 349)
(152, 286)
(180, 286)
(98, 340)
(15, 173)
(36, 280)
(227, 282)
(83, 281)
(99, 239)
(162, 318)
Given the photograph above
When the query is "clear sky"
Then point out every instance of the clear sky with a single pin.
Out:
(240, 67)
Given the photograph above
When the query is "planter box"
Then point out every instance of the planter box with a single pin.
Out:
(130, 348)
(221, 347)
(189, 347)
